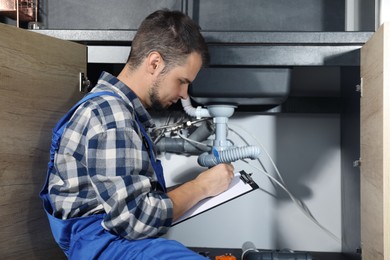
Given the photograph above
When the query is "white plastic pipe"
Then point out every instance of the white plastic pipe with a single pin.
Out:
(198, 112)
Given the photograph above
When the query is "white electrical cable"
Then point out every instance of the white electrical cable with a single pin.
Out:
(193, 141)
(299, 203)
(262, 147)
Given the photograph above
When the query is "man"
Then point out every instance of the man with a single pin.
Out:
(105, 193)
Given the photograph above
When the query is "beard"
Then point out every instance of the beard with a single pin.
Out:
(154, 96)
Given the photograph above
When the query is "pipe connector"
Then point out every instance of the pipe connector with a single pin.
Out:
(228, 156)
(197, 112)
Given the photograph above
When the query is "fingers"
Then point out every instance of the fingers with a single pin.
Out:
(228, 171)
(229, 168)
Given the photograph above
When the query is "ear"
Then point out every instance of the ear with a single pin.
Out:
(155, 62)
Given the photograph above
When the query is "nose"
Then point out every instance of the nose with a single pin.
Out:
(184, 92)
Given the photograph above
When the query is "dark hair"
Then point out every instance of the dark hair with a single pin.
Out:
(172, 34)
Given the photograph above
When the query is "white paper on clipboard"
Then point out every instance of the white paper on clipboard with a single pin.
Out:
(238, 187)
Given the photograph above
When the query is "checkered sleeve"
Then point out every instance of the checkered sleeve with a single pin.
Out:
(117, 167)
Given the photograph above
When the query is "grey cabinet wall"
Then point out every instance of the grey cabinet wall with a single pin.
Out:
(225, 15)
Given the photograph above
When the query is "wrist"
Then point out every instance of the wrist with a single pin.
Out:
(201, 187)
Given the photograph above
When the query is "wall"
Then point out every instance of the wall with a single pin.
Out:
(360, 15)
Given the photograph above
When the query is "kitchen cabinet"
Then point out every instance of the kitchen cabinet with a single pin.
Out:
(374, 142)
(38, 84)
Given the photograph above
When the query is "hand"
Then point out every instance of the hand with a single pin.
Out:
(209, 183)
(216, 180)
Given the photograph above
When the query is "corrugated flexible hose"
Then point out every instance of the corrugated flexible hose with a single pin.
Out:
(228, 156)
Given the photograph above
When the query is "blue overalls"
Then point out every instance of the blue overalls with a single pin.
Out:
(85, 238)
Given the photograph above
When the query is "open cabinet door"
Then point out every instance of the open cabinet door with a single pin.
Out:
(375, 145)
(38, 84)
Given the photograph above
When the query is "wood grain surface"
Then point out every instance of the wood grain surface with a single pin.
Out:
(375, 146)
(38, 84)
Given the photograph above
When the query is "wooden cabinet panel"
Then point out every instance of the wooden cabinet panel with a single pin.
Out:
(375, 146)
(38, 84)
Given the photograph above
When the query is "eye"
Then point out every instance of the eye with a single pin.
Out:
(184, 81)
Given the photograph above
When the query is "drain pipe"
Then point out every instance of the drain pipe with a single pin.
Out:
(178, 145)
(223, 151)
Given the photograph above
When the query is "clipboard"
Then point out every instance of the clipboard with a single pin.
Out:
(241, 184)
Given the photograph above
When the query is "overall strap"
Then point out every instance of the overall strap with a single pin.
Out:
(155, 163)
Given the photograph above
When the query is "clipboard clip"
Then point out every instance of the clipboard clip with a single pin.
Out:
(246, 177)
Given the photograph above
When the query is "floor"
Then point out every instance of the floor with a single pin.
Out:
(232, 254)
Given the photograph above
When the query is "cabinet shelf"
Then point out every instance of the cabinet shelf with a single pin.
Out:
(237, 48)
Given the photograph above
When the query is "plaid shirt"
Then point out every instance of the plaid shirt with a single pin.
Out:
(102, 167)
